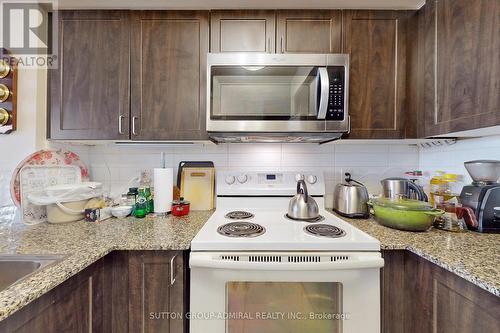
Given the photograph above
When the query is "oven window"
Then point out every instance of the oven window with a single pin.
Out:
(263, 93)
(279, 307)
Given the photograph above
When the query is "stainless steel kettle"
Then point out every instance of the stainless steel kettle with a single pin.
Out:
(302, 206)
(350, 198)
(396, 188)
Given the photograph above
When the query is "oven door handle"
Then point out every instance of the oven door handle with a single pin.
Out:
(323, 87)
(207, 262)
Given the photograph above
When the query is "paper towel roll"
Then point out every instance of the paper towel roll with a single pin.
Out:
(163, 189)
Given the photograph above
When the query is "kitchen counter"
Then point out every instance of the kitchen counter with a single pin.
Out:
(473, 256)
(470, 255)
(83, 243)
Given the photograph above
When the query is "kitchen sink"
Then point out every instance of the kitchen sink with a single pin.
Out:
(16, 267)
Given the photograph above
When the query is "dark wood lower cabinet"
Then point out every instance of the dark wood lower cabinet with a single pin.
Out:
(76, 306)
(418, 296)
(147, 291)
(156, 291)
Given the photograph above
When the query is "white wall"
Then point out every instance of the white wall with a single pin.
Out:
(30, 133)
(451, 158)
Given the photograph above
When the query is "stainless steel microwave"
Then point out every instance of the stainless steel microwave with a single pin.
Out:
(265, 97)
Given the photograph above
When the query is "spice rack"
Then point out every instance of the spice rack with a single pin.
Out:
(8, 92)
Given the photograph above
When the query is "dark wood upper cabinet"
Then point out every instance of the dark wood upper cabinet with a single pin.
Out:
(376, 44)
(462, 65)
(168, 75)
(156, 287)
(308, 31)
(89, 91)
(242, 31)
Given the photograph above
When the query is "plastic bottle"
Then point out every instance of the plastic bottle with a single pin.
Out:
(441, 187)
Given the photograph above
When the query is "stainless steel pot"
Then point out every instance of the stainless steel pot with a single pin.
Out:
(302, 206)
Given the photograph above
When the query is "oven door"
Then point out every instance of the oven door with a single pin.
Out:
(285, 292)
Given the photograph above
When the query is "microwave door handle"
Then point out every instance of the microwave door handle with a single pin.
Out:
(324, 84)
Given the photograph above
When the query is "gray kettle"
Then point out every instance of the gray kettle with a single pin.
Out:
(302, 206)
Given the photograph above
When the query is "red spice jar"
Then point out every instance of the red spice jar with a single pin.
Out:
(180, 207)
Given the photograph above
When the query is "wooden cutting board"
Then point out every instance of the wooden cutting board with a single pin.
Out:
(198, 187)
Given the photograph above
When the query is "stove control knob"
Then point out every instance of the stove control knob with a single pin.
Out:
(311, 179)
(230, 180)
(242, 179)
(299, 176)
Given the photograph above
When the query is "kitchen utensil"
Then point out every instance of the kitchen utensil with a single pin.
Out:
(483, 171)
(121, 211)
(350, 198)
(302, 206)
(45, 158)
(163, 190)
(394, 188)
(35, 179)
(198, 186)
(404, 214)
(180, 207)
(191, 164)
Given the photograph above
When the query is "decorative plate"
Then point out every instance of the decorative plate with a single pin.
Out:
(45, 157)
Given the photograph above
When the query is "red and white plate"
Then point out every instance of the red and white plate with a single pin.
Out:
(45, 157)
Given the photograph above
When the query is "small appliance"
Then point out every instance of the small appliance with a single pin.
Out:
(266, 97)
(483, 195)
(397, 188)
(350, 198)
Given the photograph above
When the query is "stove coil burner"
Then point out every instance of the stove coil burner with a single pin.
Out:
(324, 230)
(239, 215)
(313, 220)
(241, 229)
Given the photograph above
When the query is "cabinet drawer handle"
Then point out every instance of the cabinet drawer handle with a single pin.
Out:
(133, 125)
(120, 129)
(172, 270)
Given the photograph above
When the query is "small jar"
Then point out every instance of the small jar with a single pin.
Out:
(180, 207)
(132, 196)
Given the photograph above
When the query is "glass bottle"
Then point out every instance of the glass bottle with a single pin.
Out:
(141, 204)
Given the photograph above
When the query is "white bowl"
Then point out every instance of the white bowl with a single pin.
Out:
(121, 211)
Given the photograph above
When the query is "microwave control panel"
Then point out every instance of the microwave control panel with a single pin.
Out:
(336, 76)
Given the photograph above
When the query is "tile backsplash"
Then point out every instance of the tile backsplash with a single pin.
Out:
(117, 165)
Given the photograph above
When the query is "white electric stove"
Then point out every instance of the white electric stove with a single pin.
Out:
(253, 269)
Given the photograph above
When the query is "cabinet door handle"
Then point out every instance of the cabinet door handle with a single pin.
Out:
(120, 129)
(172, 270)
(133, 125)
(281, 44)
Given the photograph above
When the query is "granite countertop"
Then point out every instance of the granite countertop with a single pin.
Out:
(473, 256)
(83, 243)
